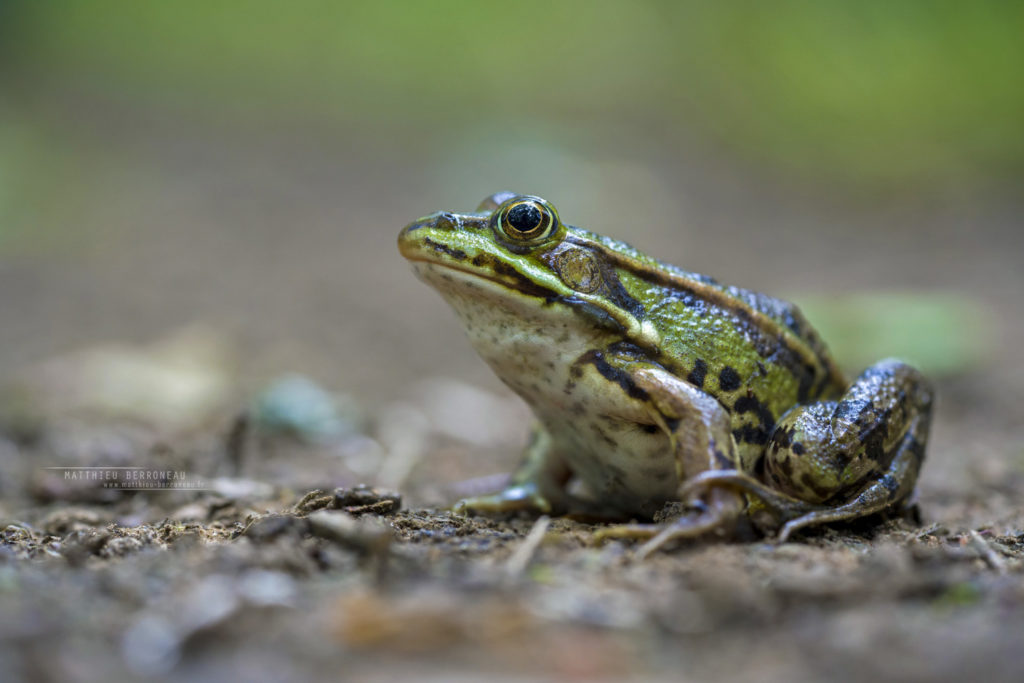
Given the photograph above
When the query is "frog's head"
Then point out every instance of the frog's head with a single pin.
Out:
(514, 252)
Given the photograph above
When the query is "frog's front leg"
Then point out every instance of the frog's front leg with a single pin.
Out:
(537, 486)
(699, 433)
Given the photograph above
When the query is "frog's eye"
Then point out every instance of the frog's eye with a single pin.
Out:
(527, 219)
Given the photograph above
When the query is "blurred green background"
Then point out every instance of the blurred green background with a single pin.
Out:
(873, 92)
(249, 165)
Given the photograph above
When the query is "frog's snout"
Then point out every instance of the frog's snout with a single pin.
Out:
(414, 234)
(437, 225)
(442, 220)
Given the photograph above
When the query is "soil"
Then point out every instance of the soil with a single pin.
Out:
(285, 568)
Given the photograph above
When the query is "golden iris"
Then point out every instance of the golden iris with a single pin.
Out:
(527, 220)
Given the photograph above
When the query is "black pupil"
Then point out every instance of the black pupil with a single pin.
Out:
(524, 217)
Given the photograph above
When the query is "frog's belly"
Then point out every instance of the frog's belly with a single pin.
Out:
(620, 465)
(607, 438)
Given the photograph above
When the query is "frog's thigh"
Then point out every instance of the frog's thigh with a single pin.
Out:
(538, 485)
(858, 455)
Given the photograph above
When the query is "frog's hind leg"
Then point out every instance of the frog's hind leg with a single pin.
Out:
(856, 456)
(887, 491)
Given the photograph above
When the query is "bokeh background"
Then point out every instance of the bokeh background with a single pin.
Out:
(197, 197)
(169, 163)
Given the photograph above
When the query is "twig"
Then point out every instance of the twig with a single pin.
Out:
(524, 553)
(990, 556)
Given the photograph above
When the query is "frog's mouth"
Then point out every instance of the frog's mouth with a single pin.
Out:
(443, 274)
(462, 280)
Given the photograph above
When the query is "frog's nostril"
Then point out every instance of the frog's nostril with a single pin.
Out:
(445, 220)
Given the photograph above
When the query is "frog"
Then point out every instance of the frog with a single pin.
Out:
(653, 387)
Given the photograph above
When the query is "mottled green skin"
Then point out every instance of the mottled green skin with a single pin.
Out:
(651, 383)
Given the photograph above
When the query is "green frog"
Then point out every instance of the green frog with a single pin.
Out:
(651, 384)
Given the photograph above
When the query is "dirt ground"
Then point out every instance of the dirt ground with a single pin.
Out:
(235, 257)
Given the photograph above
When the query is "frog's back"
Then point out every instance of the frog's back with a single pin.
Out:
(756, 354)
(772, 325)
(787, 316)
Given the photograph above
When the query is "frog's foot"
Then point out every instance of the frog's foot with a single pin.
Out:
(518, 497)
(658, 535)
(719, 514)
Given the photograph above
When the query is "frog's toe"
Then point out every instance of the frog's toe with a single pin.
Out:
(840, 514)
(657, 535)
(793, 525)
(513, 499)
(679, 530)
(807, 520)
(633, 532)
(717, 513)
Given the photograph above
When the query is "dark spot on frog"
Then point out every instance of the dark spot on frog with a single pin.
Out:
(618, 294)
(798, 448)
(751, 434)
(696, 376)
(750, 404)
(687, 299)
(757, 469)
(782, 438)
(852, 409)
(456, 254)
(649, 429)
(613, 374)
(890, 484)
(874, 444)
(722, 461)
(728, 379)
(806, 375)
(502, 268)
(523, 283)
(784, 467)
(627, 350)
